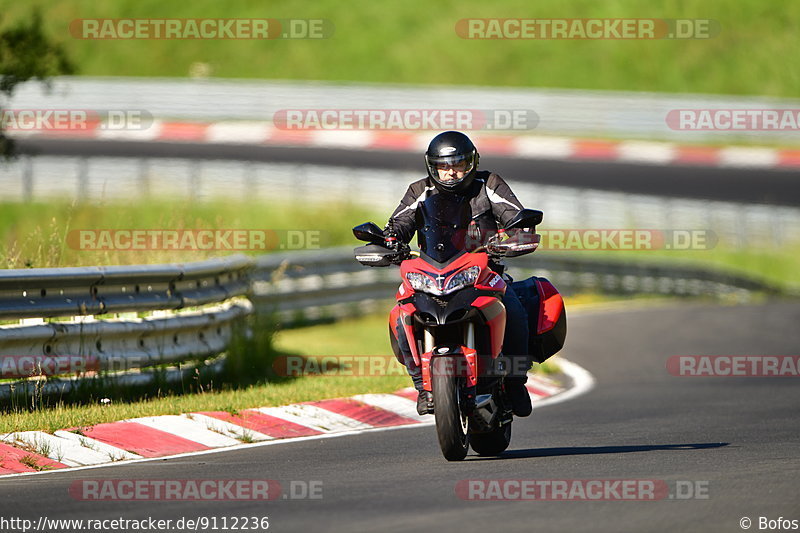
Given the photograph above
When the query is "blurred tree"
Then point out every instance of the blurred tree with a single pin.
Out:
(26, 53)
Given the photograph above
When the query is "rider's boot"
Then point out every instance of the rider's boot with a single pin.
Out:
(519, 395)
(424, 398)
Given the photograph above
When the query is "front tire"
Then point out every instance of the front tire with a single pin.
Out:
(494, 442)
(451, 426)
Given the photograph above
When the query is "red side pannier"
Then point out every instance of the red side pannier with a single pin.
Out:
(547, 318)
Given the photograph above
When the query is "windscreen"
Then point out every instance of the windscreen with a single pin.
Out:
(442, 222)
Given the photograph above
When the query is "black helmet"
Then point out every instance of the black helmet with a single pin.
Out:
(452, 148)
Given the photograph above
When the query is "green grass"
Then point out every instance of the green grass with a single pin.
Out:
(415, 42)
(307, 389)
(31, 461)
(364, 336)
(369, 333)
(35, 235)
(779, 267)
(42, 234)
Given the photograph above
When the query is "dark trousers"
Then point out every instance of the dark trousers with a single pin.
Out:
(515, 343)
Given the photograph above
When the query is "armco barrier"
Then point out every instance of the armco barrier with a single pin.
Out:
(311, 286)
(300, 287)
(57, 292)
(97, 328)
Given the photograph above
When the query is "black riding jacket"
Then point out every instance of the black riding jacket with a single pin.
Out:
(490, 199)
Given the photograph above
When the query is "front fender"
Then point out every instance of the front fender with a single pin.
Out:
(459, 361)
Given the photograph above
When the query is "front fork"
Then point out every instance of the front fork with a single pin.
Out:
(469, 338)
(462, 360)
(482, 409)
(428, 341)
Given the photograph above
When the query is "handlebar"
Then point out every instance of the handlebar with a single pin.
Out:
(403, 253)
(518, 244)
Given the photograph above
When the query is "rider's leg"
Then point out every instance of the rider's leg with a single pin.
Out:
(515, 347)
(424, 399)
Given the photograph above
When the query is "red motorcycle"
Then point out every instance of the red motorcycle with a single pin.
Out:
(450, 309)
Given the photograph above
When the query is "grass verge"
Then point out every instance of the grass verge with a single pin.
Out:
(35, 235)
(48, 234)
(43, 235)
(357, 336)
(378, 42)
(777, 267)
(250, 366)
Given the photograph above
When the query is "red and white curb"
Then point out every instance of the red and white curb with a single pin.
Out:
(150, 437)
(523, 146)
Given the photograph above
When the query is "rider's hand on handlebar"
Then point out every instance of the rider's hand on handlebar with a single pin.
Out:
(390, 240)
(403, 252)
(512, 241)
(494, 245)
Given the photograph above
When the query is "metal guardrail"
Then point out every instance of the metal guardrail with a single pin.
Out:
(58, 292)
(301, 287)
(312, 286)
(97, 327)
(735, 224)
(116, 352)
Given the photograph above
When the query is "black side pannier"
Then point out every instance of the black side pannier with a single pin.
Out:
(547, 318)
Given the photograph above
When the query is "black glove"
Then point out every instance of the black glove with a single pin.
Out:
(403, 252)
(390, 236)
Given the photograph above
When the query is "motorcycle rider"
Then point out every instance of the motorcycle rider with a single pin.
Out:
(452, 163)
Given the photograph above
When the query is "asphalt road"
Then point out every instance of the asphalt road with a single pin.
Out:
(736, 438)
(778, 187)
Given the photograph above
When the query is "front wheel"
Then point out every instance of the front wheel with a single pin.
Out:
(451, 425)
(494, 442)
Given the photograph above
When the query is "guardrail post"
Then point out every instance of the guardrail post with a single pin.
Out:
(249, 180)
(83, 179)
(27, 179)
(144, 177)
(195, 170)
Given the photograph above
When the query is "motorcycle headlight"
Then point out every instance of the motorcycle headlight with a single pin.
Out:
(465, 278)
(421, 282)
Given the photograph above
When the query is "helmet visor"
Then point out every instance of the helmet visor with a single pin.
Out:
(451, 169)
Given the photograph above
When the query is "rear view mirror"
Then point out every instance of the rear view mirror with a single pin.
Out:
(526, 218)
(369, 232)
